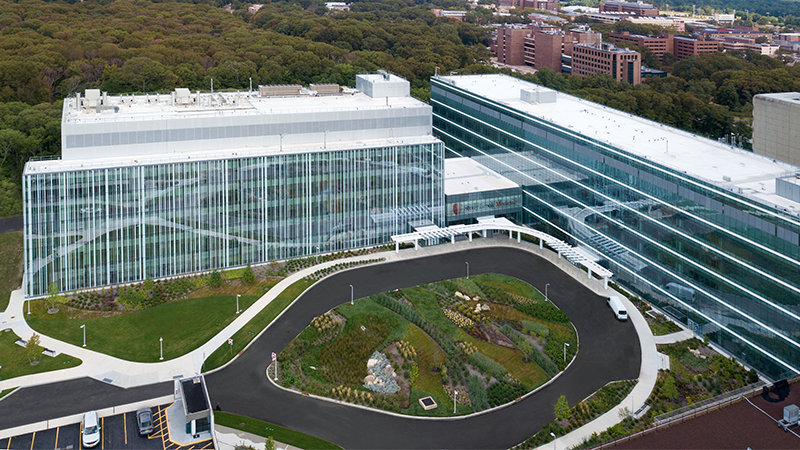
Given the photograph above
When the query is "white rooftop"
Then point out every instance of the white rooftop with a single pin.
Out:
(227, 104)
(789, 97)
(735, 169)
(466, 176)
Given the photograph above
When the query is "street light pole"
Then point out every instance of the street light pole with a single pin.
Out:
(351, 294)
(554, 440)
(237, 303)
(545, 291)
(29, 306)
(161, 343)
(565, 351)
(468, 271)
(455, 393)
(84, 334)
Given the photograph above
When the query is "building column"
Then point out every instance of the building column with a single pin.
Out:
(453, 239)
(589, 271)
(541, 243)
(519, 236)
(605, 282)
(416, 244)
(470, 236)
(397, 246)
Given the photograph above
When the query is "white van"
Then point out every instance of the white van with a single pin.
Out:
(91, 429)
(618, 308)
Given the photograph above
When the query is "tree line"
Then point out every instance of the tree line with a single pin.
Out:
(51, 50)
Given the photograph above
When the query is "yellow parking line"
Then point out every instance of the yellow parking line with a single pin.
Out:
(102, 433)
(33, 439)
(9, 444)
(210, 442)
(125, 425)
(57, 428)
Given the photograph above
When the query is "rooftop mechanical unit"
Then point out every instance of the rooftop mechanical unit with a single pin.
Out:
(277, 90)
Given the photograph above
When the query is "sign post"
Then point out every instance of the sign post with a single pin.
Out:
(275, 361)
(230, 342)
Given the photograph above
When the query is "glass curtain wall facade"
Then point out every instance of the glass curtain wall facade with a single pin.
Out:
(722, 264)
(90, 228)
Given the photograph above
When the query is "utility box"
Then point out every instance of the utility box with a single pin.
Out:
(791, 417)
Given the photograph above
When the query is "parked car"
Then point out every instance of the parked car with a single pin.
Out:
(616, 305)
(91, 429)
(144, 419)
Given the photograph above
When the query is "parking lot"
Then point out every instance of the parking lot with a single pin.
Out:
(117, 432)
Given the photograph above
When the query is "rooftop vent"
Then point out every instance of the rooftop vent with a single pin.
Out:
(537, 95)
(92, 97)
(277, 90)
(385, 74)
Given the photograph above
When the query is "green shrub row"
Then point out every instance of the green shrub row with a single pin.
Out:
(529, 349)
(504, 392)
(545, 311)
(477, 394)
(487, 365)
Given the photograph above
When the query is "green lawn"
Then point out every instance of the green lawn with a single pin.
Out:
(528, 374)
(246, 334)
(511, 285)
(7, 391)
(265, 429)
(11, 252)
(15, 361)
(183, 324)
(428, 355)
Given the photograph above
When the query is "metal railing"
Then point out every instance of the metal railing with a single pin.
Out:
(691, 411)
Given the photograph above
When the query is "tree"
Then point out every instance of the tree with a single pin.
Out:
(669, 389)
(270, 444)
(215, 279)
(33, 349)
(248, 276)
(562, 408)
(53, 299)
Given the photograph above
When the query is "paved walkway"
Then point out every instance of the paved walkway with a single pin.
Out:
(229, 438)
(126, 374)
(672, 338)
(651, 362)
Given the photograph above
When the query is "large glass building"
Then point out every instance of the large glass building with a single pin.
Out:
(695, 227)
(164, 185)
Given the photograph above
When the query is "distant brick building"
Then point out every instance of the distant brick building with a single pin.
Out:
(623, 64)
(638, 8)
(547, 47)
(509, 45)
(686, 47)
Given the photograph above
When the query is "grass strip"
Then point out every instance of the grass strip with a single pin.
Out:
(265, 429)
(11, 252)
(247, 333)
(183, 324)
(7, 391)
(15, 361)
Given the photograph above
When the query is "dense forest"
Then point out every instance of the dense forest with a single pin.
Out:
(51, 50)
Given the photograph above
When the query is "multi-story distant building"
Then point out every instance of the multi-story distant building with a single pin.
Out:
(621, 63)
(552, 48)
(547, 5)
(686, 47)
(509, 44)
(458, 15)
(680, 46)
(658, 45)
(708, 233)
(164, 185)
(776, 133)
(638, 8)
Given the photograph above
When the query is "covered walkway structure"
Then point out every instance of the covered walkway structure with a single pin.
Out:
(572, 254)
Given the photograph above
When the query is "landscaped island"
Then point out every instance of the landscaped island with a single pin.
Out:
(484, 341)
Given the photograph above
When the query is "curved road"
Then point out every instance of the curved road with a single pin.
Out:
(609, 350)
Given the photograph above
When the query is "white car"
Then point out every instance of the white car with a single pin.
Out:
(91, 429)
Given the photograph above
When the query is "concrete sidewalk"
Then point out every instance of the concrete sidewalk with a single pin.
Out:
(125, 374)
(229, 438)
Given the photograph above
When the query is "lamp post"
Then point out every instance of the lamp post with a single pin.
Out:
(1, 377)
(351, 295)
(545, 291)
(161, 343)
(554, 440)
(565, 351)
(468, 271)
(237, 303)
(84, 334)
(455, 393)
(29, 306)
(317, 255)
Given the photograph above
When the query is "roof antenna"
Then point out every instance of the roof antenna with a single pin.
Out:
(212, 85)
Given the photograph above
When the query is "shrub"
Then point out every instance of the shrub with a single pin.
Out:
(487, 365)
(248, 276)
(503, 392)
(215, 279)
(477, 393)
(535, 328)
(545, 311)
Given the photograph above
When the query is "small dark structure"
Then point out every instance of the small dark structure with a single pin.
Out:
(195, 406)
